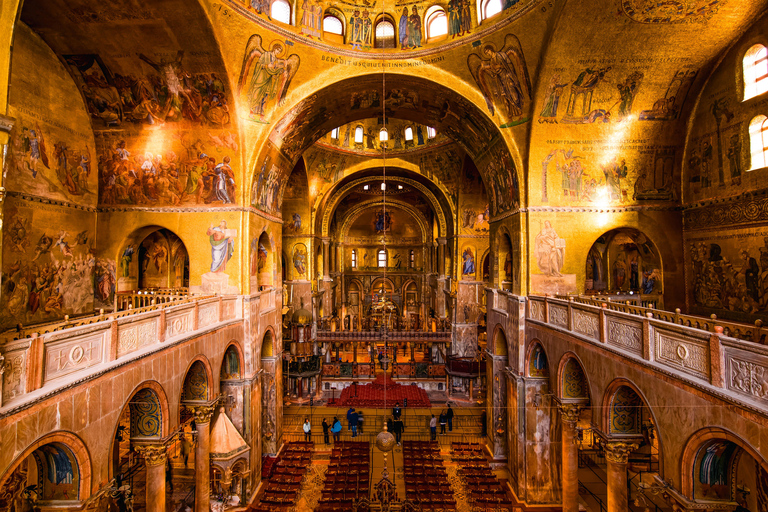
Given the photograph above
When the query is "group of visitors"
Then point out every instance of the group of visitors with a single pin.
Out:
(446, 417)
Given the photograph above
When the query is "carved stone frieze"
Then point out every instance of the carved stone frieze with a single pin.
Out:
(63, 358)
(587, 324)
(688, 355)
(14, 375)
(209, 315)
(558, 315)
(627, 335)
(748, 377)
(537, 310)
(178, 324)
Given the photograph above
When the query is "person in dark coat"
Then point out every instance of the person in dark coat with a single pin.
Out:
(360, 421)
(325, 432)
(390, 425)
(398, 428)
(396, 411)
(349, 418)
(484, 424)
(442, 421)
(353, 419)
(449, 417)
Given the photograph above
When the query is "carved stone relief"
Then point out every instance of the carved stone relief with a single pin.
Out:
(627, 335)
(537, 310)
(558, 315)
(587, 324)
(686, 355)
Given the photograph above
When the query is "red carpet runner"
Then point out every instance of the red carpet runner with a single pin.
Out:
(372, 395)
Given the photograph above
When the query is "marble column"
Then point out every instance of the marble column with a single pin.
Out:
(154, 458)
(616, 457)
(569, 414)
(203, 416)
(326, 258)
(441, 256)
(497, 424)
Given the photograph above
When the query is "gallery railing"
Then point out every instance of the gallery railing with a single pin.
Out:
(143, 298)
(52, 356)
(692, 349)
(392, 336)
(755, 333)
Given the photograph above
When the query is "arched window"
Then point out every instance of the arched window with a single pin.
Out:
(281, 11)
(335, 133)
(435, 22)
(409, 133)
(383, 135)
(755, 71)
(758, 141)
(359, 135)
(333, 25)
(354, 258)
(385, 35)
(412, 259)
(431, 132)
(488, 9)
(382, 258)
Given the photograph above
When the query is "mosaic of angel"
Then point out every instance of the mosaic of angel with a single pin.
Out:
(502, 76)
(268, 75)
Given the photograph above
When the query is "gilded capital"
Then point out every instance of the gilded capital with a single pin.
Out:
(153, 454)
(203, 413)
(618, 451)
(570, 412)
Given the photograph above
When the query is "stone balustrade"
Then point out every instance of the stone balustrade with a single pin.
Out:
(707, 359)
(51, 359)
(392, 336)
(755, 333)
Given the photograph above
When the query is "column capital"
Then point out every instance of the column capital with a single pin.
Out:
(326, 240)
(203, 413)
(618, 451)
(442, 240)
(153, 454)
(570, 412)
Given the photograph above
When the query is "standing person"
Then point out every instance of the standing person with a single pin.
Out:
(390, 425)
(168, 475)
(449, 417)
(353, 423)
(484, 424)
(396, 411)
(398, 429)
(360, 420)
(381, 356)
(336, 429)
(349, 418)
(186, 449)
(325, 432)
(433, 428)
(307, 430)
(442, 422)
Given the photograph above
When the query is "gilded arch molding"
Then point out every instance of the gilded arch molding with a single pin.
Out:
(339, 195)
(358, 210)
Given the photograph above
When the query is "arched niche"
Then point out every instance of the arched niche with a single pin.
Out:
(267, 349)
(500, 343)
(537, 363)
(626, 413)
(56, 469)
(572, 380)
(153, 258)
(270, 370)
(144, 416)
(231, 385)
(624, 260)
(716, 463)
(196, 383)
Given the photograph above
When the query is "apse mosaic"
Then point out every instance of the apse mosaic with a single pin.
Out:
(146, 414)
(626, 408)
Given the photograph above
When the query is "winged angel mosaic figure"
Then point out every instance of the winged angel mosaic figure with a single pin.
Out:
(502, 77)
(268, 75)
